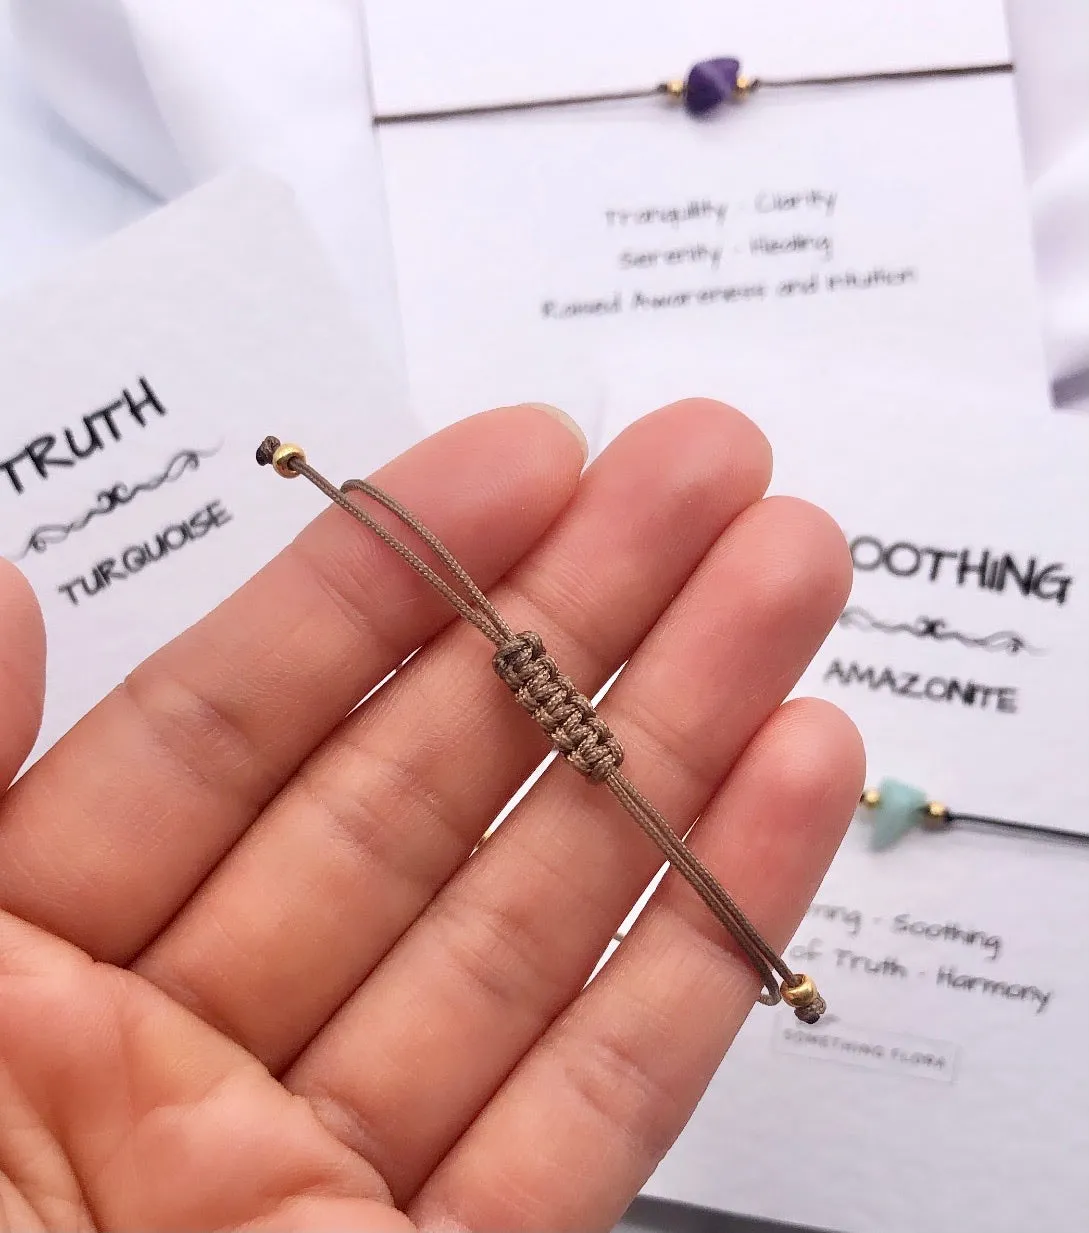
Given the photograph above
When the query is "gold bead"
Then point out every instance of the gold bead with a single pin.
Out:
(283, 455)
(801, 994)
(871, 797)
(937, 816)
(744, 86)
(675, 88)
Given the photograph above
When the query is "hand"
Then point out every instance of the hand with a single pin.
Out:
(249, 976)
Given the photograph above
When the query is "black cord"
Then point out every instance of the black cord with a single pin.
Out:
(964, 70)
(674, 90)
(1019, 828)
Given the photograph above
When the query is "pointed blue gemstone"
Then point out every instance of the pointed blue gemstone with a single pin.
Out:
(710, 83)
(900, 808)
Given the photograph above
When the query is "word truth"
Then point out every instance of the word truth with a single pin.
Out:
(62, 448)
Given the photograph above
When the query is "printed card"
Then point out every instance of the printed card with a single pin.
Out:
(875, 232)
(962, 654)
(134, 390)
(945, 1089)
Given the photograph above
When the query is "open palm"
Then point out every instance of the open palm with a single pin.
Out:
(249, 977)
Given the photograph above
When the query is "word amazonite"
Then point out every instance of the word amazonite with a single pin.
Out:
(999, 698)
(135, 558)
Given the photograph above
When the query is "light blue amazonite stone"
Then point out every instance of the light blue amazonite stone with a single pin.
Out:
(901, 807)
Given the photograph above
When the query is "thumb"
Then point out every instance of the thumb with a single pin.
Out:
(22, 671)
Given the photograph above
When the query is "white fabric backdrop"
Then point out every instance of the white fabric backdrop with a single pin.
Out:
(168, 93)
(171, 92)
(150, 97)
(56, 192)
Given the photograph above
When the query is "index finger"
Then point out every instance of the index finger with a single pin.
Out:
(111, 831)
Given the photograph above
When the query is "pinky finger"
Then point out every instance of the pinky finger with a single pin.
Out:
(584, 1120)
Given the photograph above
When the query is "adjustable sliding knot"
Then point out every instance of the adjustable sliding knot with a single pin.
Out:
(566, 716)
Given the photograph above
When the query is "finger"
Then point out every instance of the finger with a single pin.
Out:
(22, 670)
(583, 1121)
(515, 935)
(164, 775)
(382, 816)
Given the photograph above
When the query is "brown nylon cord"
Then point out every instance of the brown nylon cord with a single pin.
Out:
(565, 715)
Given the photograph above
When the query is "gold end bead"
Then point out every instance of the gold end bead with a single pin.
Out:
(807, 1003)
(744, 87)
(283, 457)
(675, 88)
(871, 797)
(937, 816)
(801, 993)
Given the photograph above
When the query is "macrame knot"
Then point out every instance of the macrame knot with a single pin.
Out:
(566, 716)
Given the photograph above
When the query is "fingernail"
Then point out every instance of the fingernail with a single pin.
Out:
(567, 422)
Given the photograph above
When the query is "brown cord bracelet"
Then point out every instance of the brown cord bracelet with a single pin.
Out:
(566, 717)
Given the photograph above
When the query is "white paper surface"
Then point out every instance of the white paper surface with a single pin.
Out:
(963, 654)
(168, 353)
(878, 230)
(947, 1087)
(946, 1090)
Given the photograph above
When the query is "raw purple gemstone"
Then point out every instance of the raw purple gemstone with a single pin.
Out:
(710, 84)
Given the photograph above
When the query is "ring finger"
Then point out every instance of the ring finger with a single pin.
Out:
(610, 1086)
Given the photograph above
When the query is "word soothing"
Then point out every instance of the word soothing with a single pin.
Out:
(1033, 577)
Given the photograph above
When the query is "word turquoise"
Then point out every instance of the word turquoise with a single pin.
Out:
(135, 558)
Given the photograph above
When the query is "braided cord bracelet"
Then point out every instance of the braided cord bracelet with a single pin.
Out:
(564, 714)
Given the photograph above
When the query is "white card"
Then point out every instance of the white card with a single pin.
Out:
(946, 1089)
(879, 229)
(135, 387)
(962, 655)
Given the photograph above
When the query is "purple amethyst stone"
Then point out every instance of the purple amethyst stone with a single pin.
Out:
(710, 84)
